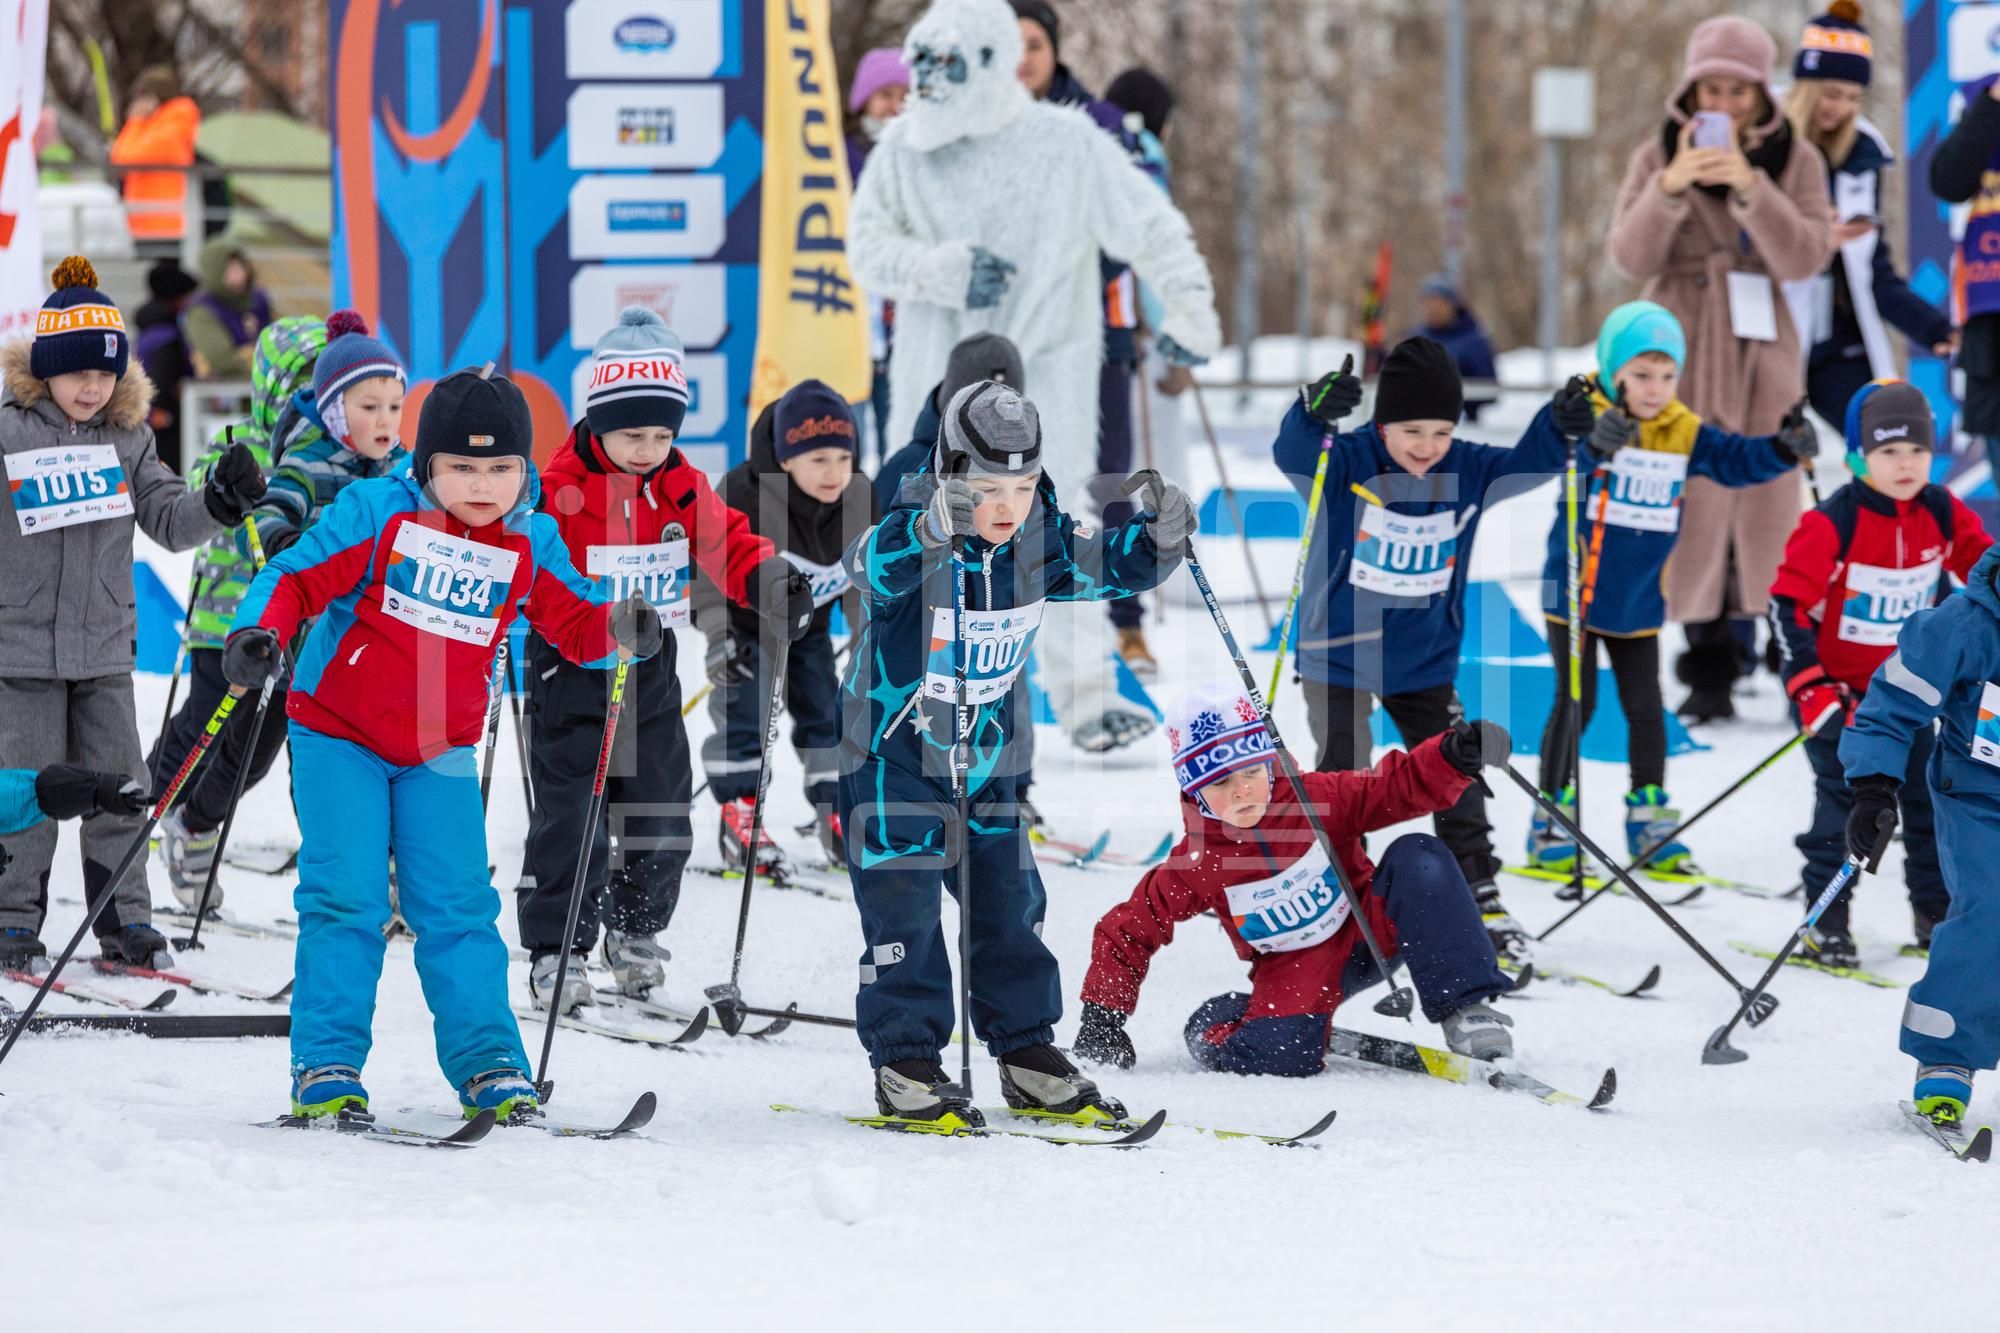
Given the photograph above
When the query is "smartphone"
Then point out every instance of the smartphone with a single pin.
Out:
(1712, 129)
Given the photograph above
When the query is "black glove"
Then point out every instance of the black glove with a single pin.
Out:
(1613, 431)
(730, 661)
(636, 628)
(1796, 437)
(1867, 833)
(250, 657)
(1101, 1037)
(1333, 395)
(235, 485)
(276, 538)
(68, 791)
(1574, 415)
(949, 514)
(1469, 746)
(1174, 520)
(782, 595)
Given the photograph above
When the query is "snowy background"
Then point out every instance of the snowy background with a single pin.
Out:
(1782, 1193)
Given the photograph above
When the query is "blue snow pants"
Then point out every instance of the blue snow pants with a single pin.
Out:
(1953, 1014)
(355, 809)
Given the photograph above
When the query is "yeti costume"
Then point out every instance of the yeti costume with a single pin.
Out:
(983, 210)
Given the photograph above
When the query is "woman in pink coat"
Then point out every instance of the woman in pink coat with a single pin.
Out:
(1711, 232)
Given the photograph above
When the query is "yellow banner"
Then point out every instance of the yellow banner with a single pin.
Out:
(812, 321)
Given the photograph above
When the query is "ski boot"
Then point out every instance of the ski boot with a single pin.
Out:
(1832, 946)
(1479, 1032)
(1549, 848)
(734, 835)
(576, 981)
(1923, 923)
(637, 961)
(1110, 730)
(21, 950)
(136, 946)
(188, 857)
(919, 1093)
(1510, 938)
(1031, 818)
(396, 927)
(1709, 672)
(1943, 1092)
(327, 1090)
(507, 1093)
(832, 838)
(1041, 1078)
(1649, 818)
(1137, 656)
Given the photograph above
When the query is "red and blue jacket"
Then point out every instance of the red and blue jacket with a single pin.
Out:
(411, 603)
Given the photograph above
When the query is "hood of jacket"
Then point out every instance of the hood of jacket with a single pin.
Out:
(963, 55)
(131, 398)
(1979, 586)
(215, 257)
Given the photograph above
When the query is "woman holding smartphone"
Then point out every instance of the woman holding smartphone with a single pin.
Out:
(1847, 310)
(1715, 211)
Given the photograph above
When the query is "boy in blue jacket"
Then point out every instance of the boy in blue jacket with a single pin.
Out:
(1639, 456)
(1946, 668)
(983, 513)
(1388, 565)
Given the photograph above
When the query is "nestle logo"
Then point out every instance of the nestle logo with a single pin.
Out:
(1891, 433)
(647, 215)
(645, 34)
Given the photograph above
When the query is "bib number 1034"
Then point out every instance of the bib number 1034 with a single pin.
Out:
(447, 586)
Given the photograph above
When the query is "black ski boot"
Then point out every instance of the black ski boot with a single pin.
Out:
(136, 946)
(1510, 939)
(1923, 923)
(919, 1091)
(1832, 946)
(1041, 1078)
(1708, 669)
(21, 950)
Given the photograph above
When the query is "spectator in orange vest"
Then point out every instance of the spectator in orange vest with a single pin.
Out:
(160, 129)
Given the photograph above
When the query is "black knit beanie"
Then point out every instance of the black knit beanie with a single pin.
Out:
(474, 413)
(1418, 382)
(1044, 13)
(1145, 92)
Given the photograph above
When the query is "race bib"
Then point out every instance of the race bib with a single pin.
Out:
(1294, 909)
(1986, 731)
(1879, 600)
(1404, 555)
(1646, 490)
(447, 586)
(659, 573)
(828, 581)
(55, 488)
(996, 648)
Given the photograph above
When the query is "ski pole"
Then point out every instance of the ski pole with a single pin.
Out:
(596, 816)
(493, 693)
(1287, 625)
(1401, 1000)
(1765, 1003)
(727, 999)
(1235, 511)
(1718, 1051)
(200, 591)
(521, 744)
(1764, 765)
(193, 940)
(687, 709)
(961, 766)
(139, 843)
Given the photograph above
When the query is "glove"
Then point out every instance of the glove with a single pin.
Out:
(1613, 431)
(1470, 746)
(1867, 833)
(1796, 437)
(67, 791)
(277, 538)
(782, 595)
(1333, 395)
(250, 657)
(1817, 697)
(949, 515)
(990, 276)
(235, 485)
(1174, 354)
(730, 662)
(636, 628)
(1574, 414)
(1174, 522)
(1101, 1037)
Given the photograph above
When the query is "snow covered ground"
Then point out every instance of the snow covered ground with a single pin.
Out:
(1781, 1193)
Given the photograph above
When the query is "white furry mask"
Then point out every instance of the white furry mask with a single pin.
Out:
(963, 56)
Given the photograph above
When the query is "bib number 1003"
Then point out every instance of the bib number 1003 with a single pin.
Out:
(1305, 903)
(445, 585)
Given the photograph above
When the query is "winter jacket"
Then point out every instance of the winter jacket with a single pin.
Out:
(899, 694)
(1946, 667)
(1684, 249)
(1231, 872)
(1469, 347)
(156, 201)
(411, 604)
(1382, 614)
(1895, 565)
(66, 598)
(220, 322)
(19, 808)
(1963, 171)
(161, 351)
(1641, 493)
(311, 469)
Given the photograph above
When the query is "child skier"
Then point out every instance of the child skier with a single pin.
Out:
(1639, 455)
(1390, 621)
(799, 486)
(989, 530)
(1946, 661)
(1855, 570)
(413, 578)
(80, 470)
(637, 516)
(1251, 857)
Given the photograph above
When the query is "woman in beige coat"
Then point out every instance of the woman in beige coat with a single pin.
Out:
(1711, 232)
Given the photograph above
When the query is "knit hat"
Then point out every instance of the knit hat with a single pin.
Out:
(1835, 46)
(166, 280)
(1634, 328)
(351, 356)
(990, 430)
(78, 328)
(1418, 382)
(983, 356)
(1145, 92)
(1886, 412)
(637, 379)
(479, 414)
(878, 69)
(1214, 730)
(1729, 47)
(811, 416)
(1044, 13)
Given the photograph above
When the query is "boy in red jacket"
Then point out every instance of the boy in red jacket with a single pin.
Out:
(636, 516)
(1251, 857)
(1856, 568)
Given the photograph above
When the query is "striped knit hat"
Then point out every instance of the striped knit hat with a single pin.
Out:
(637, 380)
(1836, 46)
(78, 328)
(1214, 730)
(350, 357)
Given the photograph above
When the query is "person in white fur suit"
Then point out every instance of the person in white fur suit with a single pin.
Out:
(984, 210)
